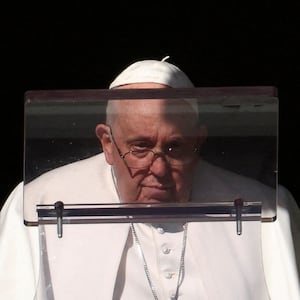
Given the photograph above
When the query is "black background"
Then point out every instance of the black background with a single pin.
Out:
(80, 45)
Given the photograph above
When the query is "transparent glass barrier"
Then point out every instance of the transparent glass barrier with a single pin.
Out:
(227, 159)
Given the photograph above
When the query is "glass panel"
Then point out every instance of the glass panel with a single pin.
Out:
(238, 159)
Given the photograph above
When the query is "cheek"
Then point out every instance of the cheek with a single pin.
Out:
(183, 179)
(128, 185)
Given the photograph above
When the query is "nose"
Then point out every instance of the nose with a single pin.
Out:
(159, 166)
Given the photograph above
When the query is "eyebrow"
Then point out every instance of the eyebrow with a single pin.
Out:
(144, 138)
(139, 138)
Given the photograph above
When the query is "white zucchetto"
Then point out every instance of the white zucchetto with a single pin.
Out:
(154, 71)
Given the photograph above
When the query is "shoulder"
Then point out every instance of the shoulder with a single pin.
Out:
(80, 172)
(74, 169)
(281, 248)
(83, 181)
(212, 183)
(289, 214)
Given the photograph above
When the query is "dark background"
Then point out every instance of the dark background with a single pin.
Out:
(77, 46)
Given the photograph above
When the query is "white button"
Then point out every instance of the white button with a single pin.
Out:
(169, 275)
(172, 295)
(160, 230)
(165, 249)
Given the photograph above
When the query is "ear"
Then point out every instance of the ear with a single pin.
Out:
(102, 133)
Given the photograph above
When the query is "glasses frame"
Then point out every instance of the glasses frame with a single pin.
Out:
(155, 154)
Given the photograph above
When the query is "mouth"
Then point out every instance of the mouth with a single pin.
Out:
(158, 193)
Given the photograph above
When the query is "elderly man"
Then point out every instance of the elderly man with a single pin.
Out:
(148, 157)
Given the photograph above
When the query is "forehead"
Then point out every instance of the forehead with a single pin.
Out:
(159, 108)
(151, 115)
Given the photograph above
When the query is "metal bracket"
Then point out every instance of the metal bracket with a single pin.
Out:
(238, 213)
(59, 208)
(59, 213)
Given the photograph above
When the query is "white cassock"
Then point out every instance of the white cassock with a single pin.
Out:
(101, 261)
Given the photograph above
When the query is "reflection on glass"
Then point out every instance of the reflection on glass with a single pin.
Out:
(241, 126)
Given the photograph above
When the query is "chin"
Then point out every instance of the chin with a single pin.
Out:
(157, 200)
(151, 201)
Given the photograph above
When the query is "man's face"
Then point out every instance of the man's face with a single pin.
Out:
(151, 124)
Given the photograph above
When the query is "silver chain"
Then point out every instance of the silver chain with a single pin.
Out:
(147, 272)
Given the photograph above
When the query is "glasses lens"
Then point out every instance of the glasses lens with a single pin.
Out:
(144, 159)
(139, 159)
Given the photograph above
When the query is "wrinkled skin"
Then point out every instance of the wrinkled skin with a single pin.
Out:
(144, 123)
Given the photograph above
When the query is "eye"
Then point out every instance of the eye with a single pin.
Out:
(176, 149)
(139, 146)
(140, 150)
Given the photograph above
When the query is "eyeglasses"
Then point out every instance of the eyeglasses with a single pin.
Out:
(177, 155)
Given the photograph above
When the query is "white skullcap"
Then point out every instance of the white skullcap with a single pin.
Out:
(155, 71)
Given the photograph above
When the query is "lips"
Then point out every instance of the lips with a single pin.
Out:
(158, 187)
(158, 192)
